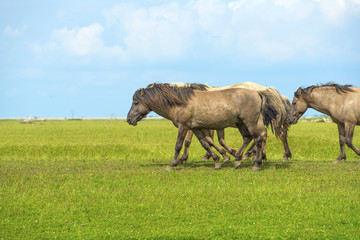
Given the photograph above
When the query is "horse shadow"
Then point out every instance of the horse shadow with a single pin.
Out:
(246, 164)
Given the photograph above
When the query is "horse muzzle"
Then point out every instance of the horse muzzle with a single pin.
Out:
(135, 119)
(293, 120)
(132, 121)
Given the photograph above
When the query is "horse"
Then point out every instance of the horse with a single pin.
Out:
(340, 102)
(191, 107)
(221, 134)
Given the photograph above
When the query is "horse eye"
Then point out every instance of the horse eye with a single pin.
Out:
(136, 103)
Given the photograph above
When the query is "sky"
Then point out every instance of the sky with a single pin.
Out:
(86, 58)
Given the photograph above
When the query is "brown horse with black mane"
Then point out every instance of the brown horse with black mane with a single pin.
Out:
(340, 102)
(191, 107)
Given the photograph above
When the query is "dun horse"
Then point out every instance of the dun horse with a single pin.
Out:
(340, 102)
(221, 134)
(191, 107)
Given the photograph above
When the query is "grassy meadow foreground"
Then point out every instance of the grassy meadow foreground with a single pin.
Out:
(104, 179)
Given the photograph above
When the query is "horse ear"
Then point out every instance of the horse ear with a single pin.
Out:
(142, 92)
(151, 85)
(298, 92)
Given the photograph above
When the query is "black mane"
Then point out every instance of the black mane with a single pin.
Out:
(167, 94)
(304, 92)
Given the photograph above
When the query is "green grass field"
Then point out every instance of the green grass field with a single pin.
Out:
(106, 180)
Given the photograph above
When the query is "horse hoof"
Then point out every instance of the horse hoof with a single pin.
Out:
(226, 159)
(337, 161)
(237, 164)
(255, 169)
(286, 158)
(182, 161)
(169, 168)
(217, 166)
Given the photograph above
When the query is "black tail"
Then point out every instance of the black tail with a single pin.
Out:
(273, 111)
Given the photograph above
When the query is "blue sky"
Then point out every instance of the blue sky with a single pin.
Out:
(86, 58)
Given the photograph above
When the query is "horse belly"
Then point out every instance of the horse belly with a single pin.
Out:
(218, 119)
(213, 124)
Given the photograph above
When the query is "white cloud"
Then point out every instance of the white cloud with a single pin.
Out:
(83, 41)
(278, 29)
(13, 32)
(272, 30)
(237, 4)
(163, 31)
(333, 10)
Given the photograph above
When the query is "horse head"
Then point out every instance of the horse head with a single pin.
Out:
(299, 106)
(138, 109)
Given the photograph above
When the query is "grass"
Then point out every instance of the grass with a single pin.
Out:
(106, 180)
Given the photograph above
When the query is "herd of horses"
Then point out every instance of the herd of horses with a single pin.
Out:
(199, 109)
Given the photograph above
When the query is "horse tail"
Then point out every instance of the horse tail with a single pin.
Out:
(287, 104)
(274, 111)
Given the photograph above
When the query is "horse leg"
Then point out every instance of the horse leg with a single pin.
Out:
(221, 139)
(199, 134)
(349, 133)
(207, 156)
(187, 143)
(260, 146)
(250, 152)
(259, 133)
(179, 143)
(209, 137)
(283, 138)
(247, 137)
(342, 142)
(258, 158)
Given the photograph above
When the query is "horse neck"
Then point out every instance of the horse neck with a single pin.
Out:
(322, 100)
(163, 111)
